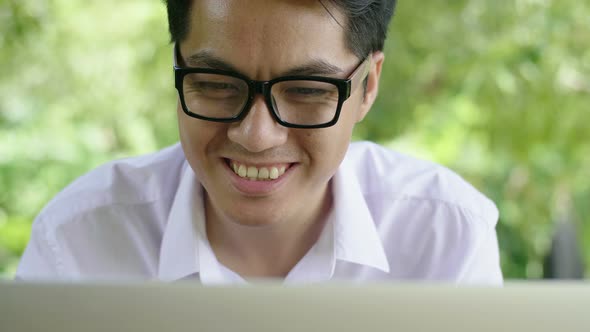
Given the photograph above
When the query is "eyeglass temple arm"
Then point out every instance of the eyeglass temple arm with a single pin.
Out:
(360, 73)
(176, 54)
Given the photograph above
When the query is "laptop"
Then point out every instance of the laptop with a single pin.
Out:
(261, 307)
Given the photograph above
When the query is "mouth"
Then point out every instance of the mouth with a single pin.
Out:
(268, 172)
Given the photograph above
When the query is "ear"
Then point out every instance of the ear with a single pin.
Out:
(372, 84)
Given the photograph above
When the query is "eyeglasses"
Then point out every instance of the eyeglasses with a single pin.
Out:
(294, 101)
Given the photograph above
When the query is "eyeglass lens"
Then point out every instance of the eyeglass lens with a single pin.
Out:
(301, 102)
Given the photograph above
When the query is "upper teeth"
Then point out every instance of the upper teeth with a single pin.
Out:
(258, 173)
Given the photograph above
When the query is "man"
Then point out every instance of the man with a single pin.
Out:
(265, 182)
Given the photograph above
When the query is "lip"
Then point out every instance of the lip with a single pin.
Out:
(257, 188)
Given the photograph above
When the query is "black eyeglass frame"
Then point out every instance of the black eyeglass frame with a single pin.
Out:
(345, 89)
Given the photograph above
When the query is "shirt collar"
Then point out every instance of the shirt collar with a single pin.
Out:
(185, 249)
(356, 238)
(179, 251)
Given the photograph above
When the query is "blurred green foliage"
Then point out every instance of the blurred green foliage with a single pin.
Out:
(499, 91)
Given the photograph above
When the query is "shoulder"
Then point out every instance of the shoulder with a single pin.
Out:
(432, 223)
(107, 223)
(117, 184)
(387, 177)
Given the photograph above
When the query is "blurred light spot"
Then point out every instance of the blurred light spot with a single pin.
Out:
(505, 81)
(569, 78)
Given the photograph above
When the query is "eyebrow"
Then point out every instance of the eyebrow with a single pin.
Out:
(314, 67)
(206, 58)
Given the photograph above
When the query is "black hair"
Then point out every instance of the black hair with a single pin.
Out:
(365, 27)
(366, 23)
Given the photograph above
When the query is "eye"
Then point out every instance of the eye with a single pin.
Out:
(214, 86)
(306, 91)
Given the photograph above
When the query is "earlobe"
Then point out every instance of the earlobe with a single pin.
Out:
(372, 84)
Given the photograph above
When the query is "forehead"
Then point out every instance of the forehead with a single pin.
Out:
(259, 36)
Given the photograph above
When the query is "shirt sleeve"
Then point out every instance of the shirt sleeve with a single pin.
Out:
(461, 246)
(483, 266)
(39, 259)
(481, 259)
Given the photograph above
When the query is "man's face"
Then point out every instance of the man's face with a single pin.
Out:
(264, 39)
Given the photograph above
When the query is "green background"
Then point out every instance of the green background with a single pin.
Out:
(498, 91)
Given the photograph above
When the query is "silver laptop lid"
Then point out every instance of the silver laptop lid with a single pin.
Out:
(159, 307)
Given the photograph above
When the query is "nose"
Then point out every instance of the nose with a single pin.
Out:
(258, 131)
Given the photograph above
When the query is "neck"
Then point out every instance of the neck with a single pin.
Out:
(270, 250)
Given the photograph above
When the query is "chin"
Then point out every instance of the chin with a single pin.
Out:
(255, 218)
(254, 222)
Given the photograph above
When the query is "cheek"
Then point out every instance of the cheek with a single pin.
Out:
(352, 110)
(183, 131)
(188, 142)
(196, 137)
(188, 135)
(328, 147)
(338, 136)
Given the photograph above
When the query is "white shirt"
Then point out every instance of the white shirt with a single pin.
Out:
(394, 218)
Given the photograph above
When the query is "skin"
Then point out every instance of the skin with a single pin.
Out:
(266, 234)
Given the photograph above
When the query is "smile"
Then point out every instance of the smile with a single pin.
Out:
(258, 173)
